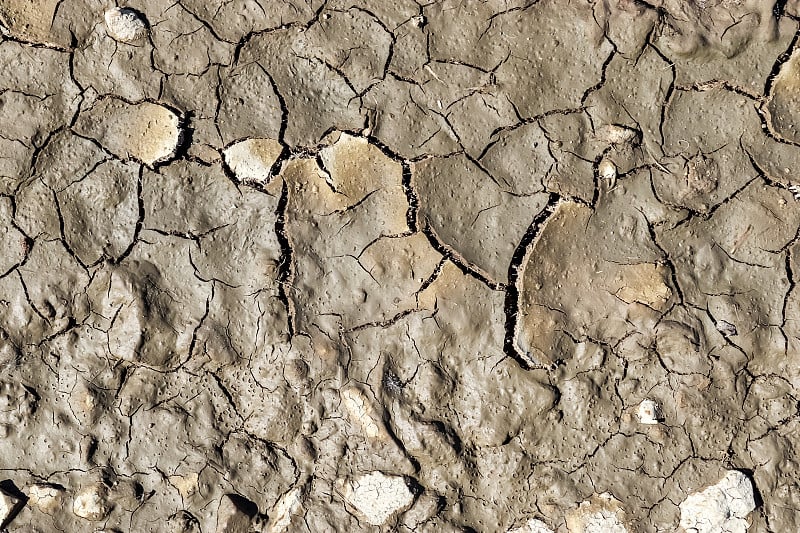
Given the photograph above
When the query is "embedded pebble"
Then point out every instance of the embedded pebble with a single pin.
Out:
(649, 412)
(720, 508)
(607, 170)
(92, 503)
(377, 496)
(251, 160)
(125, 25)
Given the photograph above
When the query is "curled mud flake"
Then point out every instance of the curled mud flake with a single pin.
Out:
(616, 134)
(649, 412)
(46, 497)
(92, 503)
(282, 513)
(251, 160)
(720, 508)
(376, 496)
(532, 526)
(602, 513)
(782, 107)
(148, 132)
(125, 25)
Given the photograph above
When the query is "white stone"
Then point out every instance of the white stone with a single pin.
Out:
(607, 170)
(532, 526)
(649, 412)
(251, 160)
(283, 511)
(8, 506)
(46, 497)
(125, 25)
(720, 508)
(377, 496)
(92, 503)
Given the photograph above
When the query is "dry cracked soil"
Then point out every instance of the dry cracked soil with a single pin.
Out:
(414, 265)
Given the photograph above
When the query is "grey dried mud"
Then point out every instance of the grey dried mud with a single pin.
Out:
(501, 266)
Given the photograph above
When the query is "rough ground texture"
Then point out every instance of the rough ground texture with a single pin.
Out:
(408, 266)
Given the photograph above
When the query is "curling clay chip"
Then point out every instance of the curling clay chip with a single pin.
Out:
(147, 132)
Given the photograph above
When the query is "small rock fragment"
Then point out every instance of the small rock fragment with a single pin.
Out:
(720, 508)
(251, 160)
(186, 485)
(92, 503)
(649, 412)
(726, 328)
(607, 170)
(377, 496)
(46, 497)
(125, 25)
(9, 505)
(532, 526)
(602, 513)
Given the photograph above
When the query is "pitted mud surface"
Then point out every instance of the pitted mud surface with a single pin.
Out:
(479, 266)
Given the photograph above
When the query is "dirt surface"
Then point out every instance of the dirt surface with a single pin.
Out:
(458, 265)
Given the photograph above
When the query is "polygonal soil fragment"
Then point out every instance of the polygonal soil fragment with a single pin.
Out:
(625, 285)
(480, 220)
(32, 20)
(248, 104)
(340, 220)
(101, 211)
(706, 167)
(732, 41)
(147, 132)
(153, 303)
(554, 73)
(316, 96)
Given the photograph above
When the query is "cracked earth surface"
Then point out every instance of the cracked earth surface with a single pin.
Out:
(503, 265)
